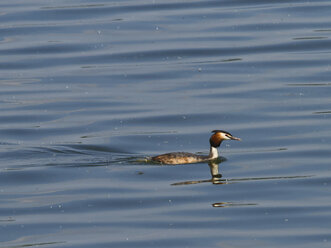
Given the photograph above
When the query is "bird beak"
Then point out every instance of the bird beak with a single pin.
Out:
(235, 138)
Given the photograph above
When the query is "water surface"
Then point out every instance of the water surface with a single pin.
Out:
(89, 88)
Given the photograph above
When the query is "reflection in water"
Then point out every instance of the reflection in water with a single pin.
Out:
(231, 204)
(216, 177)
(214, 171)
(9, 219)
(38, 244)
(311, 38)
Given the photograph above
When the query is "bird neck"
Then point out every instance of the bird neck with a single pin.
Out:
(213, 153)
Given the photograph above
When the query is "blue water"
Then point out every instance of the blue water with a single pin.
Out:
(91, 88)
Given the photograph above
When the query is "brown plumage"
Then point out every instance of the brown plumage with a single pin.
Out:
(179, 158)
(187, 158)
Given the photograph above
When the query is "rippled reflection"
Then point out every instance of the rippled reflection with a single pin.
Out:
(231, 204)
(217, 177)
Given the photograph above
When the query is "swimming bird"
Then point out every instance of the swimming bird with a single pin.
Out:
(187, 158)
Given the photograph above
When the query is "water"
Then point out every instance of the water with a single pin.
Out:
(88, 88)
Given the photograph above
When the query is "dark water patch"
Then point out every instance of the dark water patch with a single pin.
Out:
(43, 29)
(323, 30)
(310, 38)
(74, 6)
(75, 105)
(169, 55)
(322, 112)
(309, 84)
(27, 176)
(34, 132)
(48, 49)
(12, 94)
(98, 148)
(36, 244)
(5, 119)
(268, 26)
(188, 119)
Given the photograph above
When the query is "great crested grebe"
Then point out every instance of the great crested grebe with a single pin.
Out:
(187, 158)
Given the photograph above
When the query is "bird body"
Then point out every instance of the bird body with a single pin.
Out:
(188, 158)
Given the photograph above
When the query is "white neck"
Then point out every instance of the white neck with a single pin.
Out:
(213, 153)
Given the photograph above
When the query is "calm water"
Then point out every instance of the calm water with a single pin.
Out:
(90, 87)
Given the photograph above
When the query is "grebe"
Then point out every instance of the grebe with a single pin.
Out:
(187, 158)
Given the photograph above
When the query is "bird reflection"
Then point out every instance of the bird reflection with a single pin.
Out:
(214, 170)
(215, 175)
